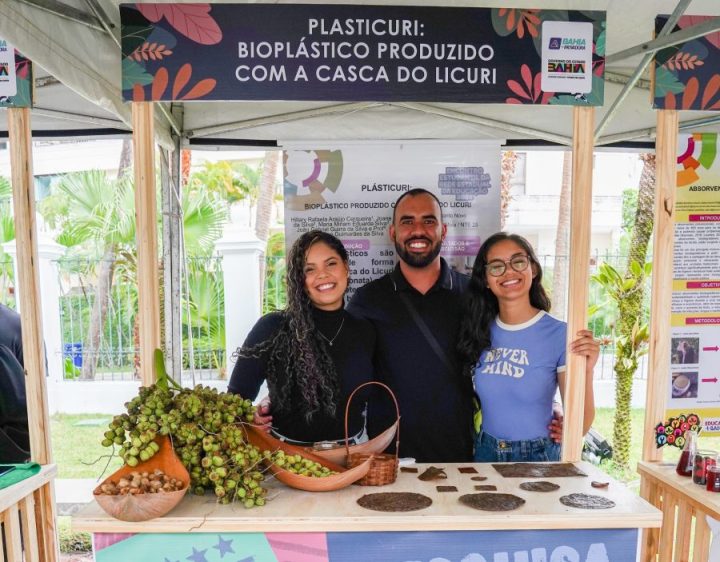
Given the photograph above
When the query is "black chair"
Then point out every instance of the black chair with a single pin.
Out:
(14, 435)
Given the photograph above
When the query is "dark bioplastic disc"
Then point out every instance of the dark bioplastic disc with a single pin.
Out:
(540, 486)
(394, 501)
(538, 470)
(488, 501)
(587, 501)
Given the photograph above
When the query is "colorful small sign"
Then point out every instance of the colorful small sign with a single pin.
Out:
(567, 56)
(672, 432)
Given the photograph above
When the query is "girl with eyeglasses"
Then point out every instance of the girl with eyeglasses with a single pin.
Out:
(515, 352)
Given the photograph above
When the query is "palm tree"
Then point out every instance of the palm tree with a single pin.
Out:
(98, 219)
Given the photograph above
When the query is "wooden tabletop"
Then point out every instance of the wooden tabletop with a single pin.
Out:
(664, 473)
(291, 510)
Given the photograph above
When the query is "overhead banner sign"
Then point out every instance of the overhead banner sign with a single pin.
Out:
(694, 385)
(687, 75)
(349, 190)
(15, 77)
(361, 53)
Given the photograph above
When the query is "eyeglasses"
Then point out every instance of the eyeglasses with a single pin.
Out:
(496, 268)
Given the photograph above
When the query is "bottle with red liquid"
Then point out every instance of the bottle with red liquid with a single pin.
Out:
(685, 464)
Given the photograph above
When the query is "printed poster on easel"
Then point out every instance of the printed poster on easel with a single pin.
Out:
(349, 189)
(694, 384)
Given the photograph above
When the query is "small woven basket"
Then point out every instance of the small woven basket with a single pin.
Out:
(383, 467)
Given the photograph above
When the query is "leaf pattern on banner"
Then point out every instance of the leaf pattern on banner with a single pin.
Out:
(138, 93)
(684, 61)
(689, 21)
(182, 78)
(133, 73)
(690, 94)
(22, 68)
(150, 51)
(520, 21)
(666, 82)
(191, 20)
(599, 45)
(529, 91)
(133, 37)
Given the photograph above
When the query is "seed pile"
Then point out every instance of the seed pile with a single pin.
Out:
(156, 482)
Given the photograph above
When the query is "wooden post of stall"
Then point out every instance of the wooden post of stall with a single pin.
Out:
(660, 306)
(146, 237)
(662, 276)
(28, 279)
(581, 207)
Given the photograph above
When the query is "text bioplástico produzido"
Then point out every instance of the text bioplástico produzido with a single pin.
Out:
(346, 57)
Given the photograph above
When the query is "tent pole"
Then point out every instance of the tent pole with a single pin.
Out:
(172, 255)
(146, 237)
(581, 206)
(662, 275)
(28, 280)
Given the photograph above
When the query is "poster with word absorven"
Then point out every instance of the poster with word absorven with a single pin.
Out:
(349, 190)
(694, 384)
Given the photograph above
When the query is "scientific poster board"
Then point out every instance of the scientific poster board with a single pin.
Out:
(694, 384)
(349, 190)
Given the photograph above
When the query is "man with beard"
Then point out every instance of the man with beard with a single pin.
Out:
(416, 313)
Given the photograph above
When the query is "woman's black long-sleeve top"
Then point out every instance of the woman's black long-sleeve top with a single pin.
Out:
(351, 352)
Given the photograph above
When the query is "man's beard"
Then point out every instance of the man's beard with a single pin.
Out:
(418, 260)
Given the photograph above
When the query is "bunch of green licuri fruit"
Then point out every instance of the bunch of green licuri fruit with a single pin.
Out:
(136, 430)
(297, 464)
(224, 463)
(206, 428)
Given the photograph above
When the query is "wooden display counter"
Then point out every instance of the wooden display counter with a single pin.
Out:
(685, 506)
(298, 526)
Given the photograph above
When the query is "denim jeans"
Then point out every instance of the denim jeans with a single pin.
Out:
(490, 449)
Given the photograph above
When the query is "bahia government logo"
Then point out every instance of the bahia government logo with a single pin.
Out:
(555, 43)
(4, 69)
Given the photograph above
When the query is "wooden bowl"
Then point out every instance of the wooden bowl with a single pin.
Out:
(142, 507)
(377, 444)
(342, 479)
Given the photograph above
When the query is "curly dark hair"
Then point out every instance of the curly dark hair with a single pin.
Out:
(297, 358)
(481, 305)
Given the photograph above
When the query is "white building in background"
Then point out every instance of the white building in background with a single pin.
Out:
(535, 188)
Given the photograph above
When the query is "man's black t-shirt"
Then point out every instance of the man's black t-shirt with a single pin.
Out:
(435, 399)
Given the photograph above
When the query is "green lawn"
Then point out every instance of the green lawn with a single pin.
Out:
(76, 443)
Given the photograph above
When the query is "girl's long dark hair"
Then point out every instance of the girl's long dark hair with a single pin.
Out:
(481, 305)
(298, 360)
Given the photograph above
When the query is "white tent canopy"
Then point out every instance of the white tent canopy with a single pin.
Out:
(77, 42)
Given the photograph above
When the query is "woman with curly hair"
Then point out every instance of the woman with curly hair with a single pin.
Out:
(515, 352)
(313, 354)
